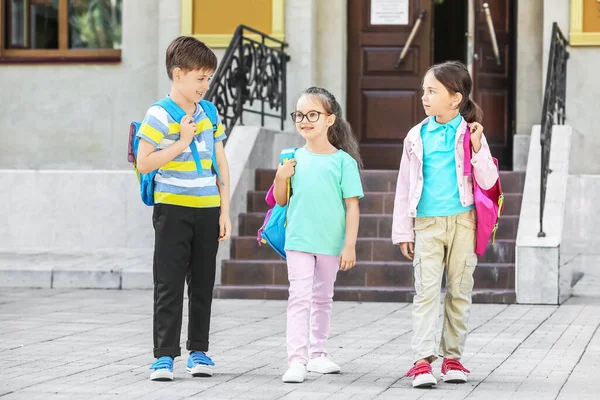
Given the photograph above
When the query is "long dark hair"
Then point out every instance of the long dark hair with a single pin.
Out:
(455, 77)
(340, 133)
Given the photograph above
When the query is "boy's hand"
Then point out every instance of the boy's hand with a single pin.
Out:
(348, 258)
(224, 227)
(187, 128)
(408, 249)
(476, 132)
(286, 170)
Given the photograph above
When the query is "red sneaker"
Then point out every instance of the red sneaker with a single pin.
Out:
(423, 377)
(453, 371)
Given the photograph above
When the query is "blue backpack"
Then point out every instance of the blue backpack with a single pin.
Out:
(147, 180)
(272, 232)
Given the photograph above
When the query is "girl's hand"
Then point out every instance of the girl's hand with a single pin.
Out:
(348, 258)
(286, 170)
(407, 249)
(224, 227)
(476, 132)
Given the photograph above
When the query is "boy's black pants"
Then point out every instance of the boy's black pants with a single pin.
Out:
(185, 249)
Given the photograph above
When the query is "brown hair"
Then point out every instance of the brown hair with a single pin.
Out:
(455, 77)
(340, 133)
(189, 54)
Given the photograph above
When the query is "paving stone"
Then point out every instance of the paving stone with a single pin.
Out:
(97, 344)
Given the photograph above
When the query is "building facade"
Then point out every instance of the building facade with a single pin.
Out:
(70, 92)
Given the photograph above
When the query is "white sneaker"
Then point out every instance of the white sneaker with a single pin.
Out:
(323, 365)
(296, 373)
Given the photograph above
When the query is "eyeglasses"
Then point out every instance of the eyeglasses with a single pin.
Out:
(311, 116)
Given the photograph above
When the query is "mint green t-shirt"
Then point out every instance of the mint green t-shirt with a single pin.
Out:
(316, 221)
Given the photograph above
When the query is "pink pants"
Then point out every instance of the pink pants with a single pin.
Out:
(311, 277)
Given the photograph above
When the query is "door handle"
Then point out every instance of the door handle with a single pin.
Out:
(490, 24)
(411, 37)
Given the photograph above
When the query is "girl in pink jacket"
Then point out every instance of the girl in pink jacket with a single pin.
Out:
(434, 218)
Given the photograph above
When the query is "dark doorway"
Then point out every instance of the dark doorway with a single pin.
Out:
(384, 98)
(450, 29)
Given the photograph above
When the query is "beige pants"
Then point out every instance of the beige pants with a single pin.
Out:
(450, 242)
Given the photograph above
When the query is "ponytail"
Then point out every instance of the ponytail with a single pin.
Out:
(341, 137)
(471, 112)
(339, 134)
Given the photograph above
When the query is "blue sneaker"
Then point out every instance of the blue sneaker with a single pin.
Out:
(163, 369)
(199, 364)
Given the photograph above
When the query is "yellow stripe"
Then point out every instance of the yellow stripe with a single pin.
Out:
(186, 165)
(151, 132)
(203, 125)
(173, 128)
(187, 201)
(220, 131)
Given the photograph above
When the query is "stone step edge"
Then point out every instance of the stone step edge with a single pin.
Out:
(76, 278)
(353, 293)
(363, 263)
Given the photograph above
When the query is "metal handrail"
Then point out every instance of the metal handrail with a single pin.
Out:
(553, 111)
(490, 24)
(252, 70)
(411, 37)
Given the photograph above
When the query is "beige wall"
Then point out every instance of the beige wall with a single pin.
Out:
(77, 115)
(583, 88)
(529, 65)
(332, 40)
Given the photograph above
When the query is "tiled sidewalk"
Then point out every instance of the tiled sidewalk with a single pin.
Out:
(88, 344)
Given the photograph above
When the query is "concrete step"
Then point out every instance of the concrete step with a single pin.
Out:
(103, 269)
(385, 180)
(349, 293)
(379, 203)
(374, 225)
(367, 249)
(365, 273)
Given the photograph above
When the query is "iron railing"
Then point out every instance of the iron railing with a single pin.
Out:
(553, 112)
(251, 77)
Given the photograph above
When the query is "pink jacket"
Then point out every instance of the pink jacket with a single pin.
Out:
(410, 178)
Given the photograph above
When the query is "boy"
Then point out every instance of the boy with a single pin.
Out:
(191, 215)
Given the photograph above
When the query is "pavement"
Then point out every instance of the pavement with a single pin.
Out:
(97, 344)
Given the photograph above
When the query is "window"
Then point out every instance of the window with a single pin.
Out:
(60, 30)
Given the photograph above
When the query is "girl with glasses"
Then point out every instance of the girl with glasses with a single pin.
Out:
(322, 226)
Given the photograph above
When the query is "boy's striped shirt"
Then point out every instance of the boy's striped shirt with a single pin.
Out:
(178, 182)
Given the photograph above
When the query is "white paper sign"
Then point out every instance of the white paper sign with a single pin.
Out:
(389, 12)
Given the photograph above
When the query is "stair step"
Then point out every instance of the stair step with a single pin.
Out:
(385, 180)
(379, 203)
(349, 293)
(374, 225)
(367, 249)
(365, 273)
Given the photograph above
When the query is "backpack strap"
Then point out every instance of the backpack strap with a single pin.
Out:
(467, 168)
(287, 154)
(211, 112)
(177, 113)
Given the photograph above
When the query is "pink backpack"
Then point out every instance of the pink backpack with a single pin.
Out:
(488, 203)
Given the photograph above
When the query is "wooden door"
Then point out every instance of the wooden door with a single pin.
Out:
(384, 102)
(494, 84)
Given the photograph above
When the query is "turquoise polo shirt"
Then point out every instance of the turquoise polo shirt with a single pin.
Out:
(440, 196)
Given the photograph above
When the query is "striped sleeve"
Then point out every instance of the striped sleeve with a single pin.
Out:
(219, 134)
(155, 125)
